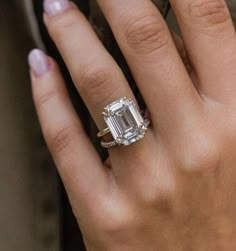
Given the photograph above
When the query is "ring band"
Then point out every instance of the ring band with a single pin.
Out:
(108, 144)
(124, 122)
(103, 133)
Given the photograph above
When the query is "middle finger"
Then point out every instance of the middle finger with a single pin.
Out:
(157, 67)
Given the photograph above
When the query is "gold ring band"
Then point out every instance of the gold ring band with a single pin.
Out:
(103, 133)
(108, 144)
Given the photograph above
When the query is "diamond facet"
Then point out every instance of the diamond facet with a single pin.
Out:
(125, 121)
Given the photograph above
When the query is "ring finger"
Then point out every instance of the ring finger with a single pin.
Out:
(96, 75)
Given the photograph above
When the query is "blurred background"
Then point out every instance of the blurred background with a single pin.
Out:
(34, 211)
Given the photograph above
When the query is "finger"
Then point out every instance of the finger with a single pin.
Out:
(79, 165)
(156, 65)
(96, 75)
(210, 41)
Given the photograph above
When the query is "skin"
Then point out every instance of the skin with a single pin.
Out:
(175, 189)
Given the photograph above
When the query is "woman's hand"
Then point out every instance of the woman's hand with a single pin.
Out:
(174, 189)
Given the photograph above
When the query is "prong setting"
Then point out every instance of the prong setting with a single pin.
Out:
(125, 122)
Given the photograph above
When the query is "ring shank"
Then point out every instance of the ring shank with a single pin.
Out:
(103, 133)
(108, 144)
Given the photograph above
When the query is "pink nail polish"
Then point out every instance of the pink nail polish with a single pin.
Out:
(53, 7)
(38, 62)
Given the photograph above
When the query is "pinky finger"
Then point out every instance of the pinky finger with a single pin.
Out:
(79, 165)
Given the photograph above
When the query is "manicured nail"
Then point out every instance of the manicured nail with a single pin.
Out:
(38, 62)
(53, 7)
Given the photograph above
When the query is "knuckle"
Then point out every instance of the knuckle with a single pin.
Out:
(146, 34)
(62, 139)
(112, 218)
(202, 157)
(158, 197)
(158, 193)
(115, 224)
(95, 82)
(210, 12)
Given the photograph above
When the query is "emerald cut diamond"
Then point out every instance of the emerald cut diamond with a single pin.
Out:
(125, 122)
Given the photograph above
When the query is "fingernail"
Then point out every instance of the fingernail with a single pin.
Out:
(38, 62)
(53, 7)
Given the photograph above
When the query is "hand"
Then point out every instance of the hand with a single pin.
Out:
(174, 189)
